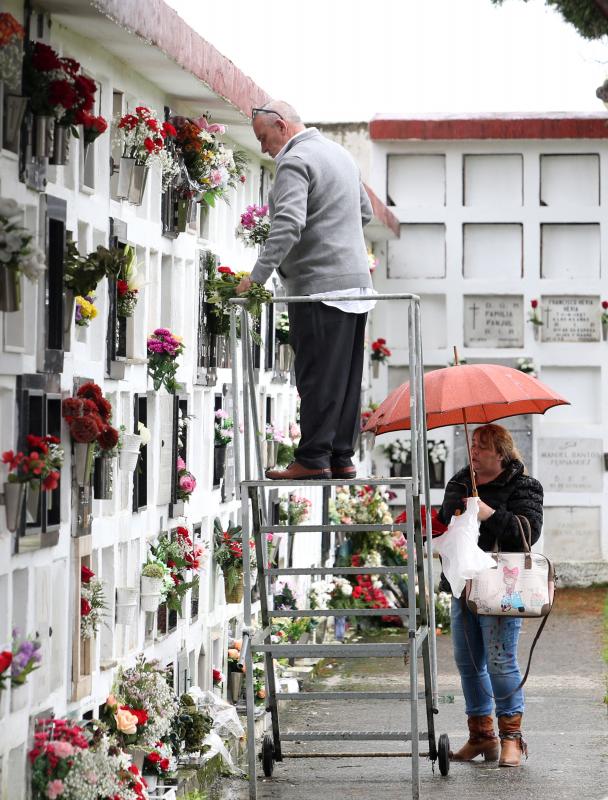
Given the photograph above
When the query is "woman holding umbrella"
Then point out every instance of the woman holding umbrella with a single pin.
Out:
(487, 662)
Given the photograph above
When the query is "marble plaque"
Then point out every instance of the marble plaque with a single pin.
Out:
(570, 465)
(572, 533)
(569, 318)
(493, 321)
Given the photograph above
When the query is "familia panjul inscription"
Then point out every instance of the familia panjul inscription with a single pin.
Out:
(493, 321)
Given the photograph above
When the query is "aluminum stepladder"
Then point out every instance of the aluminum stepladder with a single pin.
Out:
(420, 622)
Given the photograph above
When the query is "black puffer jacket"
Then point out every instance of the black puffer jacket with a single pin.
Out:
(511, 493)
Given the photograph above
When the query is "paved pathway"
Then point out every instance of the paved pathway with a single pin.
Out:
(565, 725)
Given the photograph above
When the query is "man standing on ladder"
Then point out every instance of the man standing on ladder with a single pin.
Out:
(318, 207)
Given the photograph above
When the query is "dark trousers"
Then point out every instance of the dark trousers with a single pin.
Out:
(328, 345)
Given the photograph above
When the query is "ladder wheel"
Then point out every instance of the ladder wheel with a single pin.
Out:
(267, 755)
(443, 752)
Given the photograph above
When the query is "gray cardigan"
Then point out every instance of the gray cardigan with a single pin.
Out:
(318, 207)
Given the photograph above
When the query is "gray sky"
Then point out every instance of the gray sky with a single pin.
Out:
(349, 59)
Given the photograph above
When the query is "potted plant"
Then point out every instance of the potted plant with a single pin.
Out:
(92, 603)
(153, 577)
(14, 104)
(181, 558)
(29, 474)
(223, 434)
(19, 255)
(380, 355)
(143, 140)
(228, 553)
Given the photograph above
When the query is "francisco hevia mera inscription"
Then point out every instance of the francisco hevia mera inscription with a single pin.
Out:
(493, 321)
(570, 318)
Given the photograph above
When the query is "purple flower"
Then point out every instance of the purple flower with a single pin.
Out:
(162, 332)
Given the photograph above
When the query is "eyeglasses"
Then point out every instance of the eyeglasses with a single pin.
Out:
(256, 111)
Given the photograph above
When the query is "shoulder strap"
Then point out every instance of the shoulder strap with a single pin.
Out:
(465, 612)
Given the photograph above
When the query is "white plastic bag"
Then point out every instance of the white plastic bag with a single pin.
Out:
(461, 558)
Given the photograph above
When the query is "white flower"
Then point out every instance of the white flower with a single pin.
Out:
(145, 434)
(9, 208)
(346, 589)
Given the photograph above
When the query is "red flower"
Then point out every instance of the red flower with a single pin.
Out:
(86, 574)
(108, 438)
(143, 111)
(242, 179)
(70, 65)
(534, 303)
(164, 764)
(154, 757)
(84, 429)
(217, 675)
(85, 607)
(604, 304)
(149, 145)
(168, 129)
(122, 287)
(44, 58)
(105, 408)
(6, 658)
(61, 93)
(90, 390)
(72, 407)
(225, 270)
(181, 531)
(50, 482)
(142, 716)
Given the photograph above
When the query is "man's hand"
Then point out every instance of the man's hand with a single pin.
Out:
(244, 286)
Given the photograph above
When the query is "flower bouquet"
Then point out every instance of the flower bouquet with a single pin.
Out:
(6, 658)
(254, 226)
(26, 658)
(127, 284)
(163, 349)
(88, 416)
(380, 352)
(18, 255)
(223, 428)
(212, 168)
(221, 285)
(186, 482)
(281, 328)
(372, 260)
(143, 139)
(534, 318)
(294, 510)
(217, 677)
(526, 365)
(92, 603)
(11, 47)
(228, 553)
(159, 762)
(399, 453)
(142, 706)
(85, 310)
(43, 462)
(604, 319)
(179, 555)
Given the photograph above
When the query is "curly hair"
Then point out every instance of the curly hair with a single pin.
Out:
(498, 438)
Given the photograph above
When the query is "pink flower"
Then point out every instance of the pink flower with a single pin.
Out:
(54, 789)
(221, 414)
(187, 483)
(62, 749)
(181, 464)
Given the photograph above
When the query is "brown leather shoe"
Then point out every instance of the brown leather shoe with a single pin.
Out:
(297, 472)
(512, 744)
(482, 741)
(344, 473)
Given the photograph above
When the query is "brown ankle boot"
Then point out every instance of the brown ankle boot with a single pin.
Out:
(512, 744)
(482, 741)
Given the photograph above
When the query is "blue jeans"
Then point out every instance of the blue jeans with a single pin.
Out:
(493, 642)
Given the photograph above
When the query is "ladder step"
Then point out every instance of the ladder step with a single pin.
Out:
(339, 526)
(335, 650)
(398, 482)
(337, 571)
(347, 695)
(342, 612)
(353, 736)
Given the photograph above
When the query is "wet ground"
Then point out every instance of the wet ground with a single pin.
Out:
(565, 724)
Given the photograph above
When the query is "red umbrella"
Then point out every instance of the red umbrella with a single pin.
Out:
(478, 393)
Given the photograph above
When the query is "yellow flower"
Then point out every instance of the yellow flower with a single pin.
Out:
(243, 274)
(87, 309)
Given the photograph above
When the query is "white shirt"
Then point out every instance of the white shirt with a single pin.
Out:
(359, 306)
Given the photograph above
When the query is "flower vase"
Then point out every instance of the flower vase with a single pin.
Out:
(285, 358)
(126, 604)
(127, 460)
(151, 781)
(234, 594)
(14, 109)
(182, 213)
(219, 463)
(339, 628)
(42, 143)
(400, 470)
(605, 331)
(83, 462)
(138, 756)
(235, 684)
(69, 301)
(137, 184)
(10, 289)
(14, 494)
(375, 368)
(32, 501)
(271, 452)
(150, 593)
(536, 329)
(437, 476)
(61, 142)
(221, 351)
(125, 170)
(103, 474)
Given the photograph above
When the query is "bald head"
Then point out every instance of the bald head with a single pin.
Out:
(274, 125)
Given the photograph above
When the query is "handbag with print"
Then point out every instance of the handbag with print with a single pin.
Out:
(520, 585)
